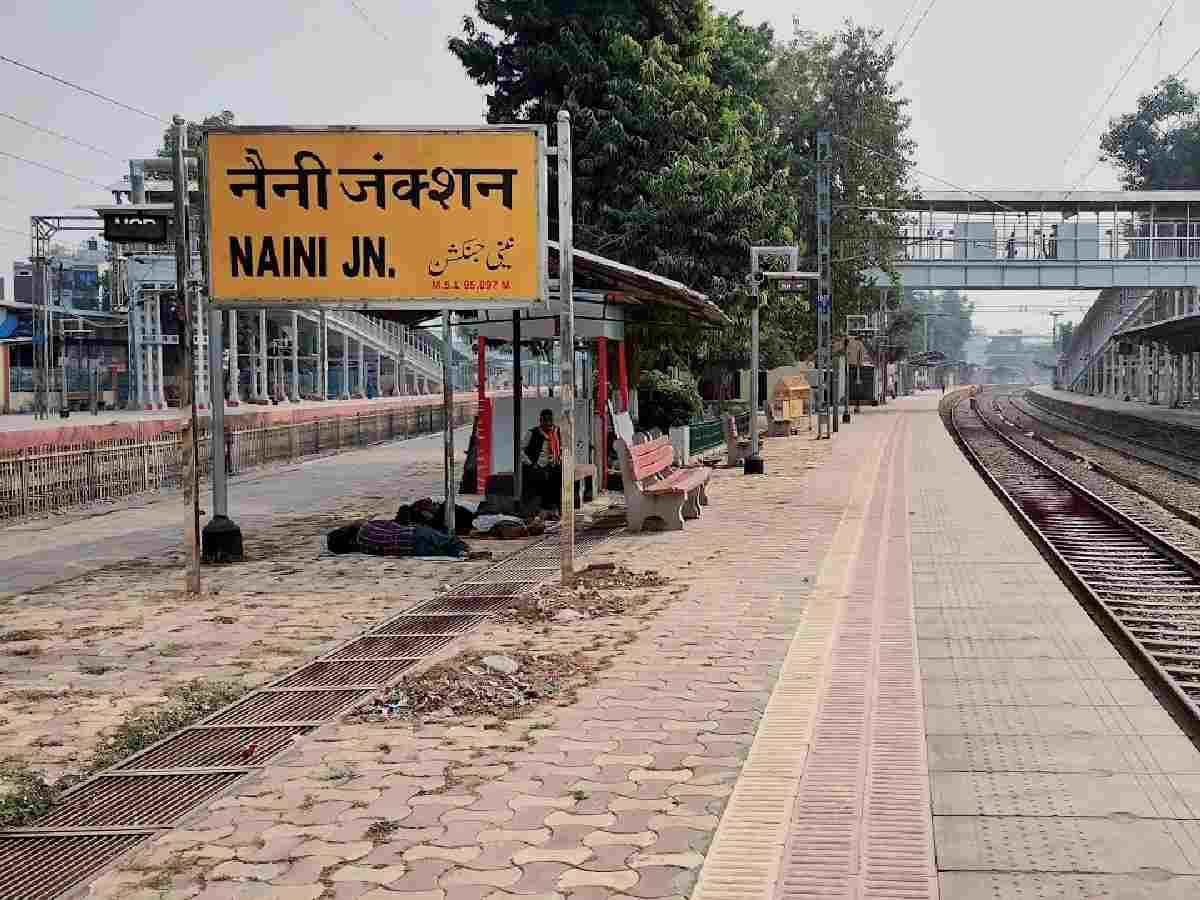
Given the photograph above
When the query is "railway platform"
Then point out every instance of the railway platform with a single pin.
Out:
(885, 693)
(1189, 416)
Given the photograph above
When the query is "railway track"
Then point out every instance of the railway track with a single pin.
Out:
(1142, 588)
(1164, 500)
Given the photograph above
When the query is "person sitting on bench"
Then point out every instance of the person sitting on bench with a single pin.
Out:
(543, 463)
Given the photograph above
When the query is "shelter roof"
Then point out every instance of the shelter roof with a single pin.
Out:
(618, 283)
(628, 283)
(1180, 333)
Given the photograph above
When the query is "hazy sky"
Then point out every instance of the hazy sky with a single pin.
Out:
(1000, 92)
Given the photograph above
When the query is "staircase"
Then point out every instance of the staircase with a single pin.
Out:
(391, 339)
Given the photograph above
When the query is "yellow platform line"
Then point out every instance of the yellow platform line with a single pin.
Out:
(746, 855)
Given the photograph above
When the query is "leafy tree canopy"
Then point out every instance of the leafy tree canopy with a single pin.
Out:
(1157, 147)
(194, 130)
(693, 135)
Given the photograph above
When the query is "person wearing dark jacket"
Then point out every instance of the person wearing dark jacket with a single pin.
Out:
(543, 463)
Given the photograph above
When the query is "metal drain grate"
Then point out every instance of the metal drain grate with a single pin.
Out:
(383, 647)
(285, 706)
(135, 800)
(216, 747)
(104, 817)
(407, 624)
(347, 672)
(497, 588)
(42, 867)
(461, 605)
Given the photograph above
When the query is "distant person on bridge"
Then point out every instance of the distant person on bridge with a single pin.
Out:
(1012, 246)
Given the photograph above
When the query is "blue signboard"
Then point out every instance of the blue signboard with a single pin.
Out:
(824, 304)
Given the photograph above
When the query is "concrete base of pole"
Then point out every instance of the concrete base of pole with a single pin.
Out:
(221, 541)
(754, 466)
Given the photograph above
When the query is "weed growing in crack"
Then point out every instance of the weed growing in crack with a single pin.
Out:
(24, 796)
(382, 830)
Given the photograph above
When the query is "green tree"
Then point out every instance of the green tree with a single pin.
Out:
(842, 83)
(949, 315)
(194, 131)
(676, 168)
(1157, 147)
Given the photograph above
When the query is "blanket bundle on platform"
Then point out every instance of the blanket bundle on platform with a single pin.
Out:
(379, 537)
(433, 515)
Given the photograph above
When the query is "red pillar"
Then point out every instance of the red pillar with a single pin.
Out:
(622, 377)
(602, 411)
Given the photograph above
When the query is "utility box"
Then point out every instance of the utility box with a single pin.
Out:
(975, 240)
(1078, 240)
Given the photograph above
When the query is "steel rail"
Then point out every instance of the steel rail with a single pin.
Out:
(1162, 598)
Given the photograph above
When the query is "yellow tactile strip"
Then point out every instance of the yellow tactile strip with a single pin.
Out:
(747, 852)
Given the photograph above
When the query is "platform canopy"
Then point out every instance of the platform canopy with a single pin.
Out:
(1181, 333)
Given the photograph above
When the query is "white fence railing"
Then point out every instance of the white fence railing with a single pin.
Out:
(43, 480)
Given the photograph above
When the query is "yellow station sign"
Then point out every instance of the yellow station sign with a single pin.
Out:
(386, 218)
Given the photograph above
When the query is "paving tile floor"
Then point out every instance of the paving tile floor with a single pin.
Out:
(873, 686)
(617, 794)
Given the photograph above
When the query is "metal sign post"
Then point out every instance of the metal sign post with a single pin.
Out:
(566, 295)
(758, 281)
(825, 415)
(221, 538)
(183, 292)
(448, 421)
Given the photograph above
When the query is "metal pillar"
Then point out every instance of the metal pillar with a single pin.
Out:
(448, 423)
(754, 398)
(235, 373)
(517, 392)
(323, 352)
(566, 294)
(184, 294)
(602, 411)
(401, 366)
(264, 372)
(824, 282)
(295, 392)
(345, 393)
(362, 371)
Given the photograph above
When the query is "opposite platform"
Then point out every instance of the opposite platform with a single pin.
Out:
(1155, 413)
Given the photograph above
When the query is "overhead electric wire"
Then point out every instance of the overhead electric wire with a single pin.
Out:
(1133, 62)
(907, 16)
(30, 162)
(1190, 60)
(82, 89)
(1088, 174)
(60, 136)
(362, 14)
(912, 34)
(951, 184)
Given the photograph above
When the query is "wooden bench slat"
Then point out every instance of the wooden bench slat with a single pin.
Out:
(654, 460)
(663, 487)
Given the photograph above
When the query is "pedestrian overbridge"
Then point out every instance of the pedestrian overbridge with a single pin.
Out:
(1052, 240)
